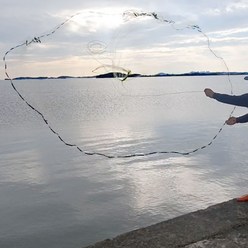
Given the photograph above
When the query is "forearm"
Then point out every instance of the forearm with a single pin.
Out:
(242, 119)
(233, 100)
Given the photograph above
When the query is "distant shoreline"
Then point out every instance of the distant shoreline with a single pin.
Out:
(121, 75)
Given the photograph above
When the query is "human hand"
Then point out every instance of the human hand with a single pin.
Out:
(231, 121)
(209, 93)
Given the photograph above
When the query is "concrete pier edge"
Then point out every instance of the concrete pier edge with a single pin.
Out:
(221, 225)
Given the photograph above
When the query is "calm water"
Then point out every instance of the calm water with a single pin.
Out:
(54, 196)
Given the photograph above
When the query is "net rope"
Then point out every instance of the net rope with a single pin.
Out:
(127, 16)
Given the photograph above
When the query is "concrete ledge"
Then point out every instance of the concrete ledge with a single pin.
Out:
(221, 225)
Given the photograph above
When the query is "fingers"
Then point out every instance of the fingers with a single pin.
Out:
(231, 121)
(209, 92)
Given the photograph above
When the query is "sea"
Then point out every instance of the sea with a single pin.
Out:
(53, 195)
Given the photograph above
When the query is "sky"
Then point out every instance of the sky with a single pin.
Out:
(100, 38)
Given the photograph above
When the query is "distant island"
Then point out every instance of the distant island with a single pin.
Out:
(119, 74)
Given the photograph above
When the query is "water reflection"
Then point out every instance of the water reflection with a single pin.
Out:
(31, 171)
(172, 186)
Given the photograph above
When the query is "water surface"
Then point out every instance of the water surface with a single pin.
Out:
(54, 196)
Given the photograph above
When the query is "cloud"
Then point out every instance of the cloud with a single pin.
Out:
(224, 22)
(237, 6)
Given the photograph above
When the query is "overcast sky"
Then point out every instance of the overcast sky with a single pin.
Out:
(99, 36)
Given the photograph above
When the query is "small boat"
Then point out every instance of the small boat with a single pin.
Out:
(246, 78)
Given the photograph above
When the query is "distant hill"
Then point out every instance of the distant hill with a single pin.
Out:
(116, 74)
(119, 74)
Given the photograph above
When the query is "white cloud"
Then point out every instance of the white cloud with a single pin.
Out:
(237, 6)
(232, 31)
